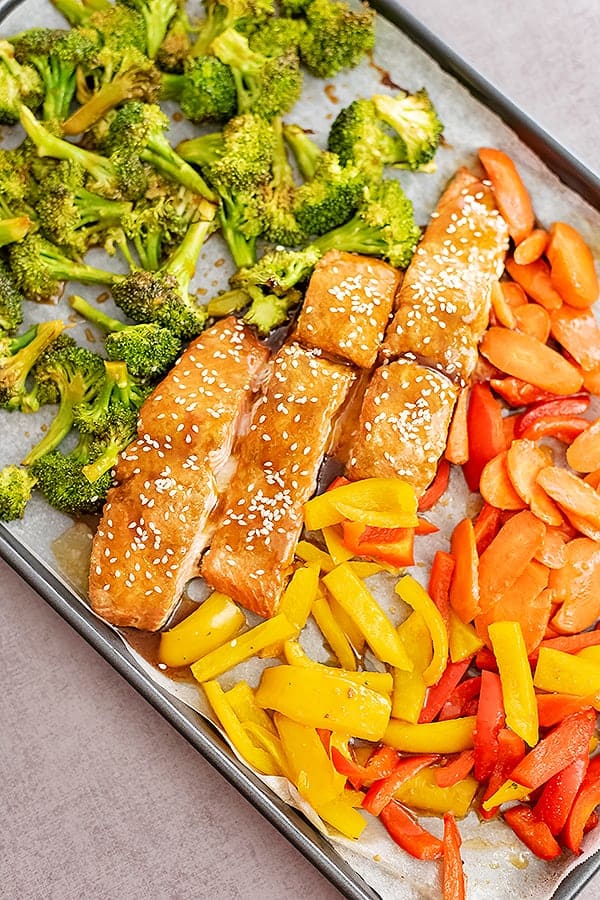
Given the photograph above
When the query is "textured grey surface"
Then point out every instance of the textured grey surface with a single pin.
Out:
(101, 798)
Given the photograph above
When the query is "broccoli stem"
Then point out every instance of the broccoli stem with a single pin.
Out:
(306, 153)
(202, 151)
(160, 154)
(353, 237)
(182, 263)
(64, 269)
(148, 250)
(228, 302)
(242, 249)
(60, 83)
(93, 208)
(15, 229)
(74, 11)
(26, 350)
(108, 97)
(106, 461)
(157, 14)
(280, 166)
(95, 315)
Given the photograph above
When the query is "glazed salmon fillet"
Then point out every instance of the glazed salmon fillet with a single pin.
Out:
(157, 519)
(251, 555)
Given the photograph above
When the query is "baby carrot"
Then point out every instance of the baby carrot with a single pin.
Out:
(572, 266)
(527, 358)
(510, 192)
(531, 247)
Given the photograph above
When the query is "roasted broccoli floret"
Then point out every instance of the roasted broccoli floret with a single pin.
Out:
(14, 229)
(16, 485)
(293, 7)
(243, 15)
(277, 197)
(163, 296)
(278, 270)
(18, 187)
(176, 46)
(264, 310)
(414, 119)
(55, 54)
(18, 356)
(336, 38)
(11, 302)
(119, 27)
(148, 350)
(157, 15)
(61, 480)
(78, 12)
(75, 374)
(18, 84)
(205, 91)
(358, 137)
(277, 36)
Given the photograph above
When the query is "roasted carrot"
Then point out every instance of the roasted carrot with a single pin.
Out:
(508, 556)
(572, 266)
(571, 493)
(511, 194)
(496, 487)
(552, 552)
(503, 311)
(457, 445)
(527, 601)
(534, 320)
(529, 359)
(518, 393)
(508, 428)
(577, 331)
(576, 585)
(486, 527)
(583, 455)
(593, 478)
(524, 460)
(514, 293)
(536, 282)
(464, 588)
(531, 247)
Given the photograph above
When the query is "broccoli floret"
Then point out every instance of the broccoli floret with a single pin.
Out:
(11, 302)
(78, 12)
(414, 119)
(176, 46)
(382, 226)
(293, 7)
(76, 375)
(61, 479)
(336, 38)
(205, 91)
(118, 76)
(18, 356)
(157, 15)
(55, 54)
(267, 85)
(18, 84)
(277, 197)
(14, 229)
(17, 183)
(163, 296)
(268, 311)
(279, 270)
(358, 138)
(148, 350)
(16, 485)
(277, 36)
(119, 27)
(243, 15)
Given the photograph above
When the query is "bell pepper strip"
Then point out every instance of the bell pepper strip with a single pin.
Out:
(485, 659)
(419, 600)
(560, 747)
(409, 687)
(532, 831)
(486, 435)
(440, 579)
(239, 649)
(258, 758)
(586, 801)
(390, 545)
(270, 743)
(423, 793)
(535, 280)
(565, 673)
(563, 428)
(426, 527)
(214, 623)
(324, 700)
(572, 268)
(507, 556)
(382, 763)
(332, 632)
(381, 502)
(574, 405)
(335, 545)
(309, 766)
(243, 702)
(439, 692)
(490, 719)
(486, 527)
(382, 792)
(455, 771)
(526, 357)
(404, 829)
(517, 393)
(311, 554)
(463, 700)
(552, 708)
(437, 488)
(558, 794)
(453, 875)
(355, 598)
(457, 444)
(451, 736)
(592, 653)
(463, 640)
(464, 587)
(511, 195)
(342, 815)
(354, 635)
(518, 693)
(508, 792)
(511, 750)
(296, 602)
(382, 682)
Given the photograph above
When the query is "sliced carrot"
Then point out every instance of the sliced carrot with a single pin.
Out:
(572, 494)
(529, 359)
(552, 708)
(593, 478)
(486, 527)
(508, 556)
(583, 526)
(591, 381)
(511, 194)
(457, 445)
(501, 307)
(533, 319)
(524, 461)
(552, 553)
(531, 247)
(572, 266)
(577, 587)
(518, 393)
(527, 602)
(577, 331)
(496, 487)
(464, 587)
(584, 453)
(536, 282)
(514, 293)
(508, 427)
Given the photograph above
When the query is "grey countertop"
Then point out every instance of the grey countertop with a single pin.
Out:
(101, 797)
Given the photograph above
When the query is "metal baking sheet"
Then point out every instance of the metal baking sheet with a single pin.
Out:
(191, 725)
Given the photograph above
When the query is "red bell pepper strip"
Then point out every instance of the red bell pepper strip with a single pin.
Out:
(592, 822)
(408, 834)
(552, 708)
(462, 701)
(453, 875)
(558, 795)
(572, 643)
(563, 428)
(439, 693)
(380, 764)
(586, 801)
(425, 526)
(486, 433)
(325, 738)
(486, 526)
(554, 752)
(437, 488)
(337, 482)
(485, 659)
(390, 545)
(511, 750)
(490, 719)
(519, 393)
(450, 774)
(573, 405)
(440, 579)
(534, 833)
(382, 792)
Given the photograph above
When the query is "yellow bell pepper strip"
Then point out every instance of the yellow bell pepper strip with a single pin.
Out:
(518, 694)
(258, 758)
(423, 792)
(417, 597)
(590, 653)
(309, 553)
(215, 622)
(366, 569)
(296, 602)
(565, 673)
(381, 682)
(380, 502)
(312, 697)
(449, 736)
(350, 629)
(242, 648)
(333, 634)
(510, 790)
(264, 737)
(243, 703)
(308, 763)
(463, 640)
(356, 599)
(342, 815)
(335, 545)
(409, 687)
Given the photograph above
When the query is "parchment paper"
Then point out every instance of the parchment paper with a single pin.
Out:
(497, 864)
